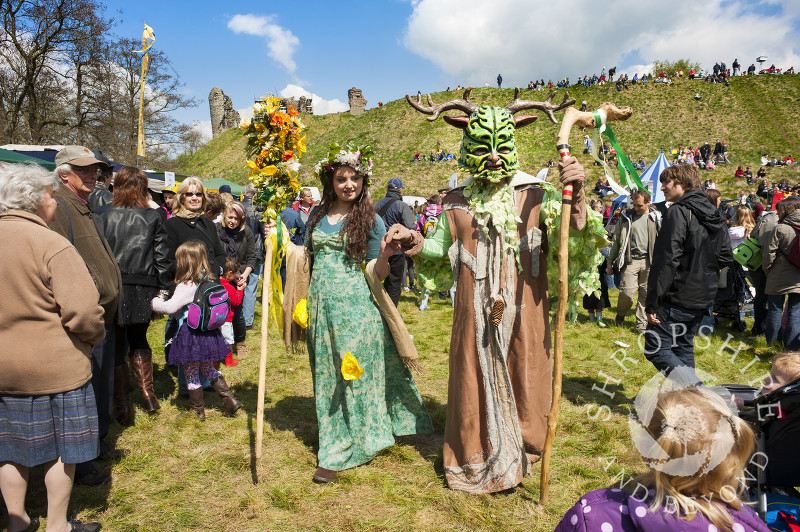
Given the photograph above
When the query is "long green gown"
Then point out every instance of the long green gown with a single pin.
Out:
(357, 418)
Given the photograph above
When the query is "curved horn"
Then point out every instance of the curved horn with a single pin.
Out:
(436, 109)
(546, 106)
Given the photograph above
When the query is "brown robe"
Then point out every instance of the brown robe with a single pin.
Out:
(500, 376)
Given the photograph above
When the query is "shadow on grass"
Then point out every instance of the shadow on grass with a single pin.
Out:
(582, 391)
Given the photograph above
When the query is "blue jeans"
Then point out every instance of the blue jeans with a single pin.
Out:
(669, 344)
(791, 333)
(249, 301)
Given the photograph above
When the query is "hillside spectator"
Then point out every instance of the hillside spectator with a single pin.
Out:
(705, 153)
(739, 172)
(587, 144)
(499, 81)
(725, 153)
(736, 67)
(762, 173)
(748, 174)
(751, 70)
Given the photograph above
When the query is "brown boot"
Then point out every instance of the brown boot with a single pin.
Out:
(197, 403)
(142, 362)
(241, 350)
(231, 403)
(122, 387)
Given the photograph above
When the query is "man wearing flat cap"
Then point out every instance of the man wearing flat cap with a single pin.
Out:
(78, 168)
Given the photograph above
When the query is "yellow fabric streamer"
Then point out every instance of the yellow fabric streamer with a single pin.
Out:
(350, 369)
(274, 270)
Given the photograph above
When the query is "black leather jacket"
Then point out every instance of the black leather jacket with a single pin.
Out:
(139, 242)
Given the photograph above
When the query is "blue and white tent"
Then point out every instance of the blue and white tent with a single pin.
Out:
(652, 174)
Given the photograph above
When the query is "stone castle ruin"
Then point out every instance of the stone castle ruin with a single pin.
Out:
(301, 105)
(223, 115)
(356, 100)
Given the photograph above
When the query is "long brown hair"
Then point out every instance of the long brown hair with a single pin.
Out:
(358, 223)
(130, 188)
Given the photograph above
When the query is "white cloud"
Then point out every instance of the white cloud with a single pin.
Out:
(204, 127)
(281, 42)
(321, 106)
(473, 40)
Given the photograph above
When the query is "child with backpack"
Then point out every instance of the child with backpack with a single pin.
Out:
(235, 295)
(199, 342)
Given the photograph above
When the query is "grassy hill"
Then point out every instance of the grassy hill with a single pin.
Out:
(754, 115)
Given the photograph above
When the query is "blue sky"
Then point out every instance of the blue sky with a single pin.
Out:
(388, 48)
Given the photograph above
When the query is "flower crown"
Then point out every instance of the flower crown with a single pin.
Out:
(359, 159)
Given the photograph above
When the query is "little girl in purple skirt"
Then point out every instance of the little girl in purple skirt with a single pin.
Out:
(195, 350)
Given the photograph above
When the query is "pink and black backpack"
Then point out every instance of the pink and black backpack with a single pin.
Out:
(210, 307)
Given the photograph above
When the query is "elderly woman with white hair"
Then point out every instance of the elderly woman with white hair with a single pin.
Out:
(47, 407)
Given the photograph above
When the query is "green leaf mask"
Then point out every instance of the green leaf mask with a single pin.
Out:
(488, 148)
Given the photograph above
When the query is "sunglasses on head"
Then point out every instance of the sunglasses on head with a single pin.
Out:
(190, 194)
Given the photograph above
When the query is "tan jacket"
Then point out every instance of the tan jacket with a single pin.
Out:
(49, 312)
(782, 276)
(92, 247)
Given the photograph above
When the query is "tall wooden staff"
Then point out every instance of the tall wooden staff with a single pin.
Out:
(266, 295)
(607, 112)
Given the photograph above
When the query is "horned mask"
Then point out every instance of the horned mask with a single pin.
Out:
(488, 147)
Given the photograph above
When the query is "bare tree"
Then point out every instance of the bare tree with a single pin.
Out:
(36, 39)
(114, 100)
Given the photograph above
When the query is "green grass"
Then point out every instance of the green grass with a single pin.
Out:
(181, 474)
(755, 115)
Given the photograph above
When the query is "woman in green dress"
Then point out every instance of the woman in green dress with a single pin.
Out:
(358, 417)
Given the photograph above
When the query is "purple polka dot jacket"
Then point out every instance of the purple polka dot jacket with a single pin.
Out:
(615, 510)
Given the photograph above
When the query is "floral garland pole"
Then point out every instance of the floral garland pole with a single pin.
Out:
(275, 143)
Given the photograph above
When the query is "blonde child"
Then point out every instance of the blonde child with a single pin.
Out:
(785, 369)
(195, 351)
(679, 492)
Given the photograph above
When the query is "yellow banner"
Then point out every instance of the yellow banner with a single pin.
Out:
(148, 38)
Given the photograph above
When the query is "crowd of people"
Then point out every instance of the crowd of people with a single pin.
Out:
(434, 157)
(92, 264)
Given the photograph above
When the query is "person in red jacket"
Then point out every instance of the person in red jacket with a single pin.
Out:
(230, 282)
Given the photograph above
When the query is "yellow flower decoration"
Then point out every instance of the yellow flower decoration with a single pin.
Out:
(350, 369)
(300, 314)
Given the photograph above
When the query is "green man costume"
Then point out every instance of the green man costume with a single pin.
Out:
(495, 242)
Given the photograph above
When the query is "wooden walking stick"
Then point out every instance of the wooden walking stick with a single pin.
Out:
(606, 113)
(266, 295)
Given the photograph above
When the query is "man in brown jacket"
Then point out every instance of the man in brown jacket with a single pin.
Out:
(78, 168)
